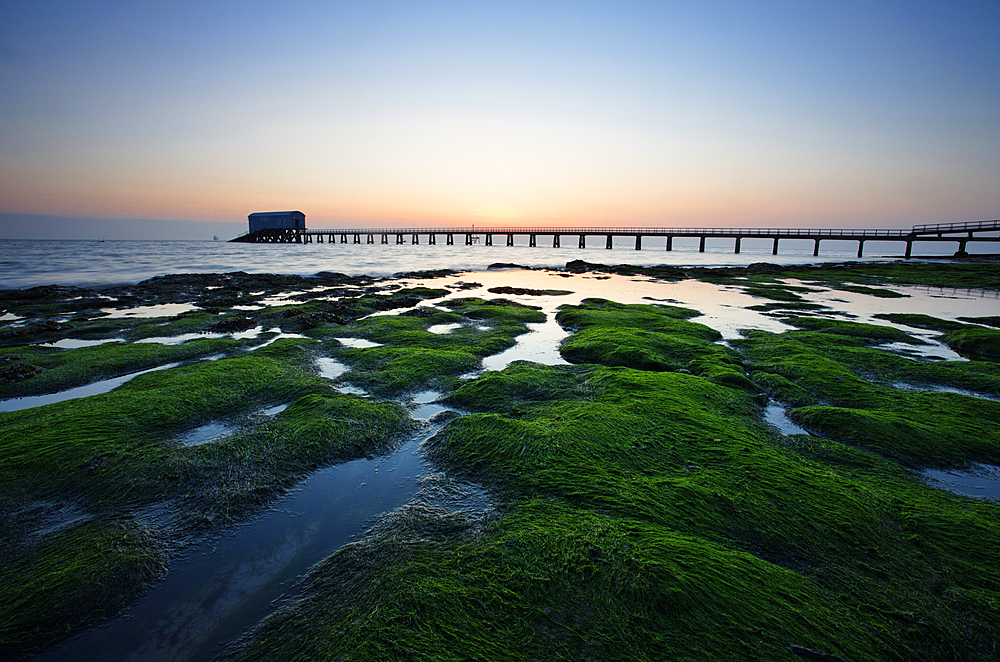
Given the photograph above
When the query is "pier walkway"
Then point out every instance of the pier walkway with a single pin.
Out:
(960, 233)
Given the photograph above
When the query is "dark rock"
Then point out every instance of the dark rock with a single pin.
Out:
(420, 312)
(511, 304)
(507, 265)
(234, 324)
(18, 372)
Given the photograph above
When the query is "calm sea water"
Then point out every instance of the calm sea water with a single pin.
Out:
(92, 264)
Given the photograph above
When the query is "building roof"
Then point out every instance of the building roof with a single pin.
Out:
(276, 213)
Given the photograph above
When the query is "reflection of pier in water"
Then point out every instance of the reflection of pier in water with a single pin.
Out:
(960, 233)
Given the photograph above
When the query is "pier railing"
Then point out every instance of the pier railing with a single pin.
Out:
(626, 231)
(970, 226)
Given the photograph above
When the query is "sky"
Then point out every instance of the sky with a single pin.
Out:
(742, 113)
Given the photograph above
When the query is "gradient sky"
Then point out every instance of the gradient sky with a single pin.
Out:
(771, 113)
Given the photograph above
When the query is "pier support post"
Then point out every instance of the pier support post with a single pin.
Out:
(399, 238)
(371, 239)
(774, 251)
(385, 238)
(319, 239)
(701, 244)
(670, 242)
(816, 248)
(489, 239)
(357, 238)
(608, 245)
(909, 248)
(638, 242)
(583, 241)
(737, 251)
(531, 241)
(468, 239)
(861, 247)
(555, 241)
(961, 246)
(343, 238)
(450, 239)
(414, 238)
(510, 240)
(432, 239)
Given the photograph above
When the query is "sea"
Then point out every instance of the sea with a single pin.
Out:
(95, 264)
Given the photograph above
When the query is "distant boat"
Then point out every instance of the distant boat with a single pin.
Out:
(215, 237)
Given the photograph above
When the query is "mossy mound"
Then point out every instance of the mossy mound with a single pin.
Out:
(989, 320)
(520, 382)
(647, 337)
(72, 581)
(824, 382)
(920, 321)
(775, 293)
(974, 340)
(791, 305)
(60, 369)
(648, 515)
(412, 358)
(879, 292)
(872, 332)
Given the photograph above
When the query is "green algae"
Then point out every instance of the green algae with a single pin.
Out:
(832, 398)
(792, 305)
(647, 515)
(60, 369)
(393, 371)
(74, 580)
(639, 506)
(648, 337)
(921, 321)
(776, 293)
(411, 358)
(115, 453)
(872, 332)
(641, 514)
(494, 310)
(887, 368)
(879, 292)
(974, 340)
(990, 320)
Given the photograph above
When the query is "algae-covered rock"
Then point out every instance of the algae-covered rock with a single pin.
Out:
(824, 378)
(872, 332)
(645, 337)
(975, 340)
(637, 507)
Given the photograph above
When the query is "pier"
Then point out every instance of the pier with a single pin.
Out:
(961, 234)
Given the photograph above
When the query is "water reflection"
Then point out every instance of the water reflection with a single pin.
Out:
(980, 481)
(219, 588)
(205, 434)
(776, 415)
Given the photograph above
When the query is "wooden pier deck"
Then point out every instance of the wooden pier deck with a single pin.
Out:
(960, 233)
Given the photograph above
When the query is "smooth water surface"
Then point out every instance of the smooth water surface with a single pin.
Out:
(980, 481)
(93, 264)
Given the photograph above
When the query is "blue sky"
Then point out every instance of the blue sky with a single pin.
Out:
(649, 113)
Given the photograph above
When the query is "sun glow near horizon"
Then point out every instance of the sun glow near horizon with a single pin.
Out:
(548, 113)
